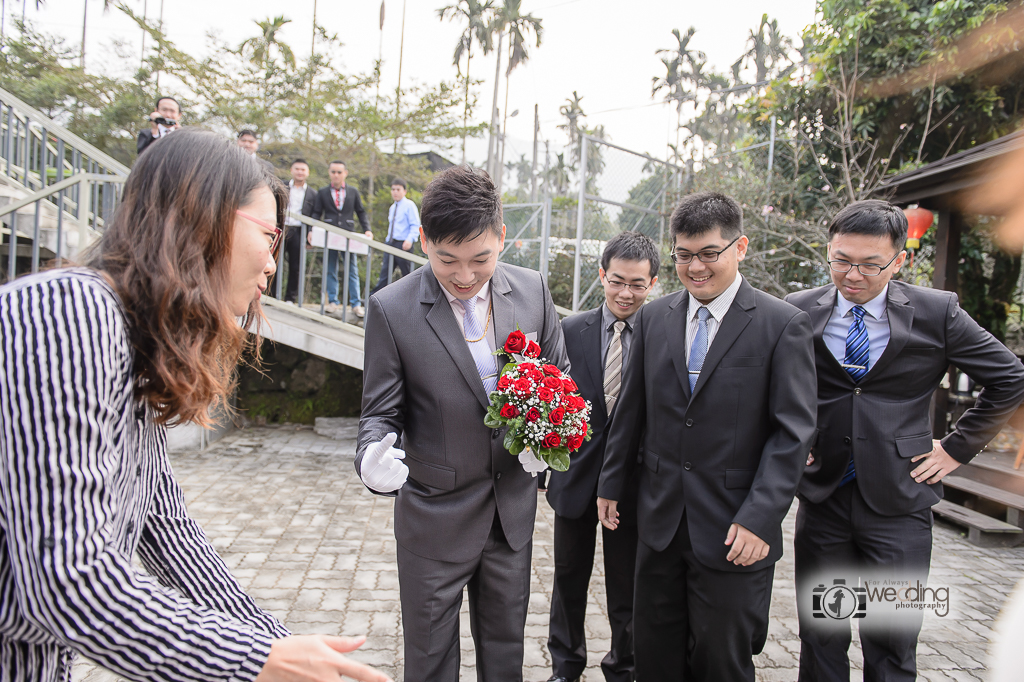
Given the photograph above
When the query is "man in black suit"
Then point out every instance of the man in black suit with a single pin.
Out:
(719, 393)
(335, 205)
(163, 121)
(301, 198)
(881, 348)
(598, 343)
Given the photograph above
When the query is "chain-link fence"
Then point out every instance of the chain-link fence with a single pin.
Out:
(620, 190)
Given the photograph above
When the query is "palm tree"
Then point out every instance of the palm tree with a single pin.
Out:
(684, 74)
(573, 112)
(477, 16)
(768, 50)
(260, 50)
(518, 26)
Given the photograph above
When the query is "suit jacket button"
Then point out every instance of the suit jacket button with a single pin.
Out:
(494, 434)
(857, 391)
(847, 440)
(687, 466)
(689, 422)
(497, 476)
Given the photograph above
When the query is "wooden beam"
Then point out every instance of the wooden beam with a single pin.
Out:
(947, 250)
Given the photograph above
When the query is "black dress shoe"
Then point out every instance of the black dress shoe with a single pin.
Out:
(556, 678)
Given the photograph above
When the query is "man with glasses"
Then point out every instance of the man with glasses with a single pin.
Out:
(598, 343)
(881, 348)
(716, 411)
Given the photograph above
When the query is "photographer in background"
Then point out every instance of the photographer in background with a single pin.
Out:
(163, 121)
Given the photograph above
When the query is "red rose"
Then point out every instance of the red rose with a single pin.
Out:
(516, 342)
(509, 411)
(569, 386)
(525, 367)
(573, 403)
(533, 415)
(552, 440)
(554, 383)
(545, 394)
(583, 428)
(523, 386)
(552, 370)
(532, 350)
(504, 382)
(575, 442)
(557, 416)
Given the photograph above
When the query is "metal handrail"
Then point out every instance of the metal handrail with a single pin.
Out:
(60, 132)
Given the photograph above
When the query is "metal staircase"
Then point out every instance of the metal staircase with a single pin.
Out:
(57, 192)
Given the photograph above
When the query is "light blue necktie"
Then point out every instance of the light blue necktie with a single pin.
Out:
(858, 356)
(699, 349)
(480, 351)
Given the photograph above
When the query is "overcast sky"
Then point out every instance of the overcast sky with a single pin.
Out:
(603, 49)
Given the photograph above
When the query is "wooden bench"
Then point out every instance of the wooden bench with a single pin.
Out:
(982, 530)
(1013, 502)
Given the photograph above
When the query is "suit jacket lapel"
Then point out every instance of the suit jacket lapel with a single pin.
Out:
(676, 331)
(441, 318)
(733, 324)
(503, 309)
(901, 318)
(590, 340)
(820, 316)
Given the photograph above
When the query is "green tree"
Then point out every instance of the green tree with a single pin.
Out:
(477, 16)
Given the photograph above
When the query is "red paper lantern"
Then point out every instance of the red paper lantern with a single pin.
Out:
(919, 220)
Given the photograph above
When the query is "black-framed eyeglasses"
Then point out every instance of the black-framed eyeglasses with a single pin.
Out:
(706, 256)
(866, 269)
(616, 285)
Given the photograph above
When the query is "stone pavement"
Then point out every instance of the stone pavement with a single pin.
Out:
(287, 512)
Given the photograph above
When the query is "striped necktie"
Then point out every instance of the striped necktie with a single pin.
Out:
(858, 356)
(857, 346)
(699, 349)
(481, 352)
(613, 367)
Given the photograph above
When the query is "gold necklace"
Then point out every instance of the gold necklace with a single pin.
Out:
(488, 324)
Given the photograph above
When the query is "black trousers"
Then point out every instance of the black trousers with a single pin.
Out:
(499, 596)
(390, 263)
(293, 245)
(575, 544)
(843, 538)
(691, 622)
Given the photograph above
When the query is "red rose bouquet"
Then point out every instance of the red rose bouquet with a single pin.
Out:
(541, 406)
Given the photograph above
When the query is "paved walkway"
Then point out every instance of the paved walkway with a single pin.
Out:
(288, 514)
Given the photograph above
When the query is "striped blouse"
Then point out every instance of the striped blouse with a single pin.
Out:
(84, 483)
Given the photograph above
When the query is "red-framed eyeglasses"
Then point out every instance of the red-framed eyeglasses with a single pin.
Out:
(275, 240)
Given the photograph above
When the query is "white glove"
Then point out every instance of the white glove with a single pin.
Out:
(381, 468)
(531, 463)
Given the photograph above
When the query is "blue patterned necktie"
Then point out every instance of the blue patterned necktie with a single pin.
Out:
(856, 364)
(857, 345)
(699, 349)
(479, 349)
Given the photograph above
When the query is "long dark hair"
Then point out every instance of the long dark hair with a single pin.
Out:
(166, 252)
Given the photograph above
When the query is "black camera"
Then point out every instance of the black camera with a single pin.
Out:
(160, 121)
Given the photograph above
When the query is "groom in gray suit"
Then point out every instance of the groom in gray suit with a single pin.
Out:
(465, 507)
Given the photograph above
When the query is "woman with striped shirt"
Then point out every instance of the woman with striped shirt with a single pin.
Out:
(95, 362)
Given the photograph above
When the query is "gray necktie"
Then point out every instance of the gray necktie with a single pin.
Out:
(613, 367)
(485, 364)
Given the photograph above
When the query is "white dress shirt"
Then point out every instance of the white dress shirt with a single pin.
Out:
(483, 302)
(718, 308)
(876, 320)
(296, 195)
